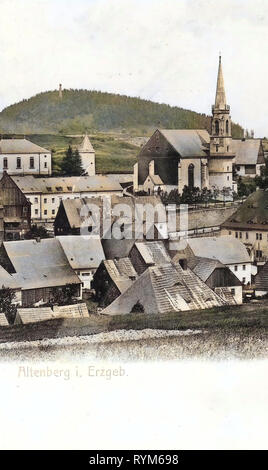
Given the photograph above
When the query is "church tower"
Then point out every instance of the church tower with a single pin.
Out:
(221, 156)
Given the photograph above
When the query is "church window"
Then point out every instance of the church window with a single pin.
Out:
(227, 148)
(227, 127)
(191, 175)
(217, 128)
(5, 164)
(19, 163)
(45, 164)
(217, 148)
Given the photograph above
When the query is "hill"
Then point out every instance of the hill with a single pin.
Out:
(82, 111)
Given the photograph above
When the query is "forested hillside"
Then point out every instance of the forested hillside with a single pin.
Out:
(82, 111)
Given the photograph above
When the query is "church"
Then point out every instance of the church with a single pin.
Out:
(174, 158)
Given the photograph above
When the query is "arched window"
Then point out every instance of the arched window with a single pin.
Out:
(191, 176)
(217, 128)
(227, 127)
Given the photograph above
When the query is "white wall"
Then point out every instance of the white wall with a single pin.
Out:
(42, 164)
(88, 162)
(240, 272)
(86, 276)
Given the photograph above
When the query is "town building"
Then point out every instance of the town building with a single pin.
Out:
(174, 158)
(261, 281)
(249, 224)
(112, 278)
(22, 157)
(87, 154)
(228, 250)
(84, 254)
(46, 194)
(249, 157)
(148, 253)
(25, 316)
(15, 210)
(163, 289)
(217, 276)
(40, 268)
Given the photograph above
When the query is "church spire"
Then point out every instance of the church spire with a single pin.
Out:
(220, 99)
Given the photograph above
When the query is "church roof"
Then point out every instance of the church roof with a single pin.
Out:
(20, 146)
(220, 99)
(86, 145)
(248, 151)
(187, 142)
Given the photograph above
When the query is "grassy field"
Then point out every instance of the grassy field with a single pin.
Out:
(227, 319)
(113, 155)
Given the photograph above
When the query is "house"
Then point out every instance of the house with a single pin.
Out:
(46, 194)
(25, 316)
(87, 154)
(22, 157)
(84, 254)
(217, 276)
(148, 253)
(249, 157)
(228, 250)
(249, 224)
(112, 278)
(40, 268)
(165, 288)
(261, 281)
(15, 210)
(116, 217)
(3, 320)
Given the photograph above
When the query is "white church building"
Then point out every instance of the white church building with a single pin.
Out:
(22, 157)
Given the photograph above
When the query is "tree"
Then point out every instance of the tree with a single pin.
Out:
(7, 306)
(37, 232)
(64, 295)
(72, 163)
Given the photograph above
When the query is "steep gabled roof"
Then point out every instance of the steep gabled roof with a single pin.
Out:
(153, 252)
(187, 142)
(7, 280)
(252, 214)
(121, 272)
(226, 249)
(9, 146)
(165, 288)
(82, 251)
(40, 264)
(247, 151)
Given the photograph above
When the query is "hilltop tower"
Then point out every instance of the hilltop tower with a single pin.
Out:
(221, 155)
(60, 91)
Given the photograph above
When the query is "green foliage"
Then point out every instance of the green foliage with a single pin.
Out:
(244, 187)
(81, 111)
(7, 306)
(37, 232)
(189, 196)
(71, 164)
(64, 295)
(262, 181)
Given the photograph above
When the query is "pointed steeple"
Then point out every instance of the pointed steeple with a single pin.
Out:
(86, 145)
(220, 99)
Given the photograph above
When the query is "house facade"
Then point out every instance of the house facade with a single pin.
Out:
(15, 211)
(22, 157)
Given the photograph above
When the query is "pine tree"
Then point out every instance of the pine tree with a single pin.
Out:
(77, 169)
(67, 162)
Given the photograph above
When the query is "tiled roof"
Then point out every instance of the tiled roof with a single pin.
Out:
(9, 146)
(82, 251)
(187, 142)
(247, 151)
(226, 249)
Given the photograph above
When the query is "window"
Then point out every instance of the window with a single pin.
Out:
(5, 164)
(53, 211)
(45, 200)
(227, 148)
(36, 211)
(45, 165)
(233, 291)
(53, 199)
(227, 127)
(244, 280)
(236, 234)
(244, 267)
(236, 268)
(240, 234)
(31, 162)
(227, 178)
(191, 176)
(45, 212)
(85, 274)
(217, 148)
(258, 253)
(247, 235)
(217, 128)
(260, 236)
(230, 233)
(18, 163)
(227, 168)
(238, 168)
(36, 200)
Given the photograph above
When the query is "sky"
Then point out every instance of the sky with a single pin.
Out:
(163, 50)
